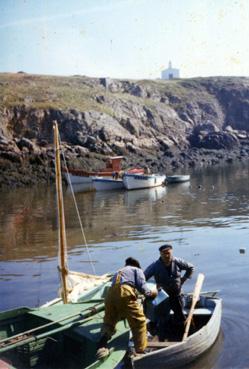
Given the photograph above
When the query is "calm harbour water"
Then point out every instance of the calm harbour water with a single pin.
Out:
(206, 220)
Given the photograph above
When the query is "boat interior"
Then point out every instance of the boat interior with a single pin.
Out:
(57, 336)
(168, 332)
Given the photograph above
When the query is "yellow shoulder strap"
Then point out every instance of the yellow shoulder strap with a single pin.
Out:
(118, 278)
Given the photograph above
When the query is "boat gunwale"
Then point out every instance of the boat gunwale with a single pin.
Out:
(144, 176)
(107, 180)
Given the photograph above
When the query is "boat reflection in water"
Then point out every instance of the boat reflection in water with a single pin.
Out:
(148, 194)
(183, 187)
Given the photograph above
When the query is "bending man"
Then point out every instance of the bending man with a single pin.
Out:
(121, 303)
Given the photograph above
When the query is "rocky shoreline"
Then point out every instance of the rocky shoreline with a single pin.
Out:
(169, 126)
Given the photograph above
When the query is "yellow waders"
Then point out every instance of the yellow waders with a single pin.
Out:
(121, 303)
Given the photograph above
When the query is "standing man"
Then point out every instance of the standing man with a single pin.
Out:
(121, 303)
(167, 273)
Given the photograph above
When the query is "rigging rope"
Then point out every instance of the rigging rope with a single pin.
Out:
(39, 284)
(77, 211)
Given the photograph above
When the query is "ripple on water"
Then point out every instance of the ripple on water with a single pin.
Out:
(235, 354)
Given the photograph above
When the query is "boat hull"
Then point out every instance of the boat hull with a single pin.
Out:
(184, 352)
(107, 184)
(77, 179)
(136, 181)
(177, 178)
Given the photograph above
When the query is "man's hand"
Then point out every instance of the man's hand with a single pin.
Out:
(153, 294)
(183, 279)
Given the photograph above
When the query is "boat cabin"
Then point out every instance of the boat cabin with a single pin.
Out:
(113, 164)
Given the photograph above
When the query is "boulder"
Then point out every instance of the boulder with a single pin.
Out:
(217, 141)
(25, 142)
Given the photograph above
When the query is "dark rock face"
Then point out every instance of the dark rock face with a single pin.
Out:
(215, 141)
(164, 125)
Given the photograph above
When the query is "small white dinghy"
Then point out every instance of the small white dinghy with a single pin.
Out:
(178, 178)
(135, 181)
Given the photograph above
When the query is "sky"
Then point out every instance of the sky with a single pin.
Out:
(133, 39)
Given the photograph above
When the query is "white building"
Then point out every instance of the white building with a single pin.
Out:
(170, 73)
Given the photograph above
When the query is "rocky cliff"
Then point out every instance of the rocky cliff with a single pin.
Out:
(165, 125)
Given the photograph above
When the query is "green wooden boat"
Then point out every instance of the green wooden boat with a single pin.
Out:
(59, 336)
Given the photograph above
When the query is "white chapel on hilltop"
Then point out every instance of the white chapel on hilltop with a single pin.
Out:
(170, 73)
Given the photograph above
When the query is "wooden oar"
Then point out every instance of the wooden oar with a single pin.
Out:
(195, 298)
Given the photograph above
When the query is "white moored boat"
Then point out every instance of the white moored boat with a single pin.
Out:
(105, 184)
(135, 181)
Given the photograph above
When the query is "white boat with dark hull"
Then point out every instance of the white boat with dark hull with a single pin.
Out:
(177, 353)
(178, 178)
(106, 184)
(136, 181)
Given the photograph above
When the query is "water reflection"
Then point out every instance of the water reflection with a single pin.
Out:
(28, 223)
(180, 188)
(29, 226)
(134, 197)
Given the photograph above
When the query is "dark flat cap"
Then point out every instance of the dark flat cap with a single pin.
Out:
(166, 246)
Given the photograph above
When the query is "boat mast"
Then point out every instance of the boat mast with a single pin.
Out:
(61, 216)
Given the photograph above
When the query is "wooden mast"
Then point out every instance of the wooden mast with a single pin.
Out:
(61, 217)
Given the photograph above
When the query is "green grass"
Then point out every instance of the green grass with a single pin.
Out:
(80, 92)
(43, 92)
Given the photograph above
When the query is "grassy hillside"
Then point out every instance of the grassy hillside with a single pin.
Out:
(42, 92)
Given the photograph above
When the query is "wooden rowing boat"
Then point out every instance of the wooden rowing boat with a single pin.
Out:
(59, 336)
(175, 352)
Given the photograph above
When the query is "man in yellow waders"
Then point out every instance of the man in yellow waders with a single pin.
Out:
(121, 303)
